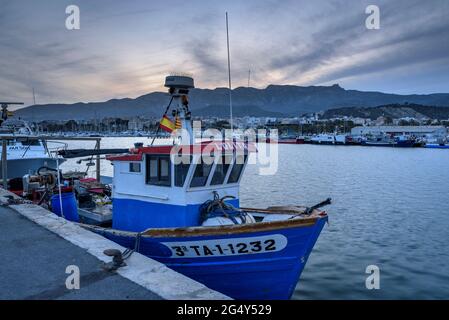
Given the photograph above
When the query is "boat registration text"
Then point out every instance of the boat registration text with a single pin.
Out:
(227, 247)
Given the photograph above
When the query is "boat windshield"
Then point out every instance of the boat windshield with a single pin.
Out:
(237, 168)
(225, 165)
(181, 172)
(221, 169)
(200, 175)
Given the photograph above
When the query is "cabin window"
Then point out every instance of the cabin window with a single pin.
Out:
(237, 169)
(134, 167)
(200, 175)
(181, 172)
(221, 169)
(158, 170)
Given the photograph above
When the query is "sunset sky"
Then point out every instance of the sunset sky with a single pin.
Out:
(125, 48)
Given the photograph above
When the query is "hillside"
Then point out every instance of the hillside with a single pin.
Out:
(417, 111)
(222, 111)
(284, 100)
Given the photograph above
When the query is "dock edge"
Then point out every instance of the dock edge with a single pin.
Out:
(146, 272)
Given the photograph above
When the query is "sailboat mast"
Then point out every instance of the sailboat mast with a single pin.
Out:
(32, 111)
(229, 72)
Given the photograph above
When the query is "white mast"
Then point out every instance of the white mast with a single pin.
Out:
(32, 111)
(229, 71)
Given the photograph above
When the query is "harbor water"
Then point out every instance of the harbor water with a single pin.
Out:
(390, 209)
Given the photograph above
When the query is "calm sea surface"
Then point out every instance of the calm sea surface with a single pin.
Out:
(390, 209)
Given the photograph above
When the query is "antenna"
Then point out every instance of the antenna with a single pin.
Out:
(229, 71)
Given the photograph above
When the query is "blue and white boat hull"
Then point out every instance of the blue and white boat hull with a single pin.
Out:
(258, 261)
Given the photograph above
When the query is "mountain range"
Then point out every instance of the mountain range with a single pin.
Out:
(273, 101)
(394, 111)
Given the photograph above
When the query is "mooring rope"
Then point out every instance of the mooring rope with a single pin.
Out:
(128, 252)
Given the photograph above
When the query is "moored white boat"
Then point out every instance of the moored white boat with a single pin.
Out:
(25, 152)
(323, 139)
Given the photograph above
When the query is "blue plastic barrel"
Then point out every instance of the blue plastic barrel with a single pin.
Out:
(69, 207)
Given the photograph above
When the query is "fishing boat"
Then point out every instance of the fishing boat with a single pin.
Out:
(25, 153)
(385, 140)
(307, 139)
(290, 139)
(179, 204)
(341, 139)
(404, 141)
(436, 142)
(353, 140)
(330, 139)
(437, 145)
(323, 139)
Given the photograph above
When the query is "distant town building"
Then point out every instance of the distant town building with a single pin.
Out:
(359, 121)
(380, 121)
(270, 120)
(135, 124)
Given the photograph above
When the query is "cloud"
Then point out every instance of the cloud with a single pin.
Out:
(126, 48)
(406, 37)
(205, 53)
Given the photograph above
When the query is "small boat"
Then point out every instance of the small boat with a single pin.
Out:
(179, 204)
(26, 153)
(323, 139)
(436, 142)
(419, 142)
(437, 145)
(404, 141)
(307, 139)
(300, 140)
(353, 140)
(291, 139)
(330, 139)
(384, 140)
(340, 139)
(377, 144)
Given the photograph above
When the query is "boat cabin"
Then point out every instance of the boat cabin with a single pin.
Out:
(164, 186)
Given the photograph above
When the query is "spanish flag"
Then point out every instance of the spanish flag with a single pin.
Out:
(166, 124)
(178, 123)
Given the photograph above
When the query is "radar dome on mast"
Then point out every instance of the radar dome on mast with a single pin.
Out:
(179, 86)
(179, 82)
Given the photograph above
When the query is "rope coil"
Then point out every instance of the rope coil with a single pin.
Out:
(219, 208)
